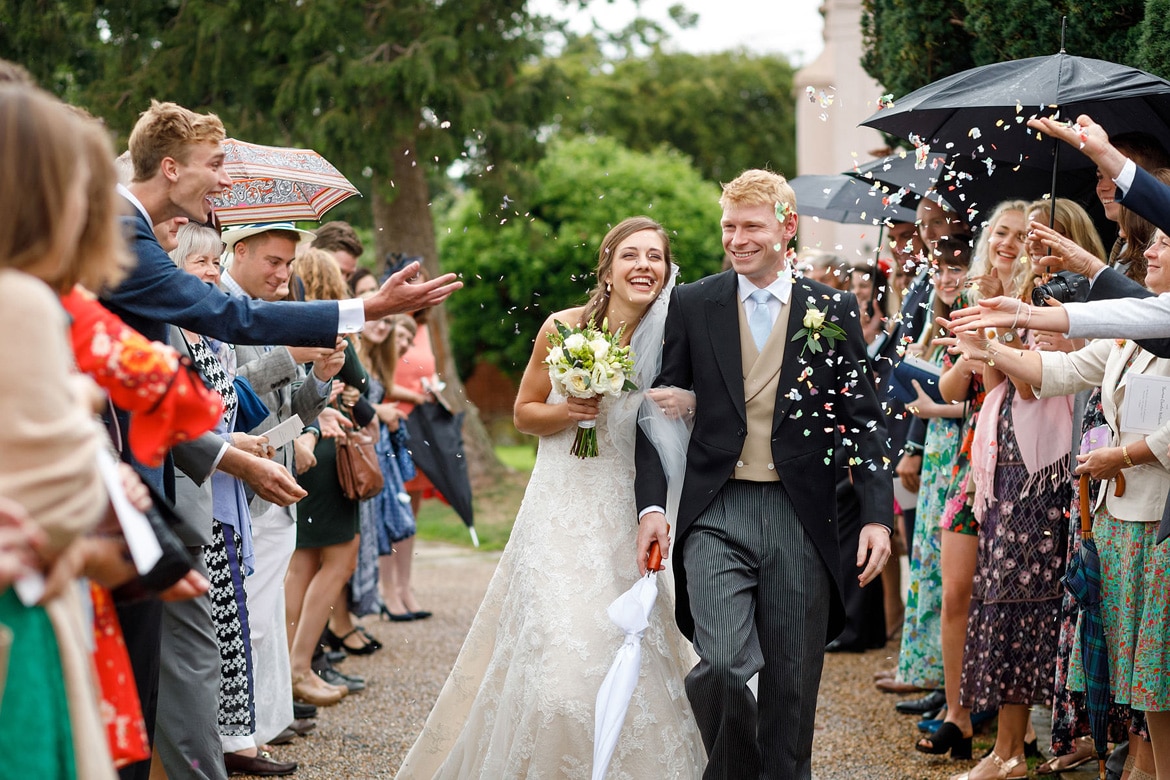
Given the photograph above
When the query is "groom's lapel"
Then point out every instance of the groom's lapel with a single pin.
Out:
(722, 311)
(794, 363)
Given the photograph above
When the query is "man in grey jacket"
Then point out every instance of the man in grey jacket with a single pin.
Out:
(261, 268)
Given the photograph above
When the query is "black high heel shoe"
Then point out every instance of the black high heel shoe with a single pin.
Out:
(403, 618)
(369, 644)
(946, 737)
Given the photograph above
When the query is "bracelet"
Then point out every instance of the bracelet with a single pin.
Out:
(1125, 457)
(991, 356)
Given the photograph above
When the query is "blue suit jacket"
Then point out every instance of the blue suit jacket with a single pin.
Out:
(1149, 198)
(157, 293)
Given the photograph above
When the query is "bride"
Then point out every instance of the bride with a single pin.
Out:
(520, 700)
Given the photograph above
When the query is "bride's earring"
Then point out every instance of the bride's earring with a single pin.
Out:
(608, 287)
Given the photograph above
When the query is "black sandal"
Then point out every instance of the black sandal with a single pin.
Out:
(946, 737)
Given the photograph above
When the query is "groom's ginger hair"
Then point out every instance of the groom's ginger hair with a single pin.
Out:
(757, 187)
(169, 130)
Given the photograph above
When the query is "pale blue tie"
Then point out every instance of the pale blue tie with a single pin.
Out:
(760, 321)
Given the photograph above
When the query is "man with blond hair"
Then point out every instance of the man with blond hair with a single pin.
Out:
(778, 368)
(178, 162)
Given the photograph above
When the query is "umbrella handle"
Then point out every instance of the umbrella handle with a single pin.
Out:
(654, 558)
(1086, 516)
(1119, 490)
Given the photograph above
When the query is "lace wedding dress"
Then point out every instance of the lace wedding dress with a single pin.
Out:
(520, 700)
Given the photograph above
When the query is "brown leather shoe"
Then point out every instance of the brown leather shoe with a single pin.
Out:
(311, 689)
(261, 765)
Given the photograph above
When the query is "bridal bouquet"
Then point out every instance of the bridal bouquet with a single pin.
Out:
(585, 363)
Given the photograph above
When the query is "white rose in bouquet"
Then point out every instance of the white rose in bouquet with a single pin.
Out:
(600, 348)
(578, 383)
(574, 342)
(617, 382)
(599, 378)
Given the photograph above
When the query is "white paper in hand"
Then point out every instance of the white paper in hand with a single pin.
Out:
(136, 530)
(282, 433)
(1147, 403)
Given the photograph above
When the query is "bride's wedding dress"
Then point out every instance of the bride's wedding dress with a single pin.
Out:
(520, 700)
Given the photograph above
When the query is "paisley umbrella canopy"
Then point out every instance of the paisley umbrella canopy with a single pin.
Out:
(274, 183)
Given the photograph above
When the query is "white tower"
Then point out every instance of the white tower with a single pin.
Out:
(828, 139)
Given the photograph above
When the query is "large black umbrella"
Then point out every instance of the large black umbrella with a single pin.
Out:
(436, 445)
(971, 186)
(983, 112)
(1083, 582)
(846, 199)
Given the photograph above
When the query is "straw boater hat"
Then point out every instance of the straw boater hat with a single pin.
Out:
(232, 235)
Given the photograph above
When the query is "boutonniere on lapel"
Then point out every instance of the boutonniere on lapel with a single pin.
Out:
(817, 327)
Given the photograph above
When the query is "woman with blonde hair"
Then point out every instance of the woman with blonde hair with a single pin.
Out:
(327, 521)
(998, 262)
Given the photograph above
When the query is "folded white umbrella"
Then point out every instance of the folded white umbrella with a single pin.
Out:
(631, 613)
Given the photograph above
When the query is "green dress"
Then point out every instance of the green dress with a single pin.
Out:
(920, 658)
(36, 738)
(326, 517)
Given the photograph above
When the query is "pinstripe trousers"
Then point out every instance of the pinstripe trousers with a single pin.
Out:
(759, 595)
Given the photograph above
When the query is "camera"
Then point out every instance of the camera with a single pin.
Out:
(1064, 287)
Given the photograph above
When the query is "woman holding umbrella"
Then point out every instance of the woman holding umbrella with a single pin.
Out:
(1134, 578)
(520, 700)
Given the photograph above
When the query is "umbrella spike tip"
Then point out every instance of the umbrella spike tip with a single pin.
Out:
(474, 536)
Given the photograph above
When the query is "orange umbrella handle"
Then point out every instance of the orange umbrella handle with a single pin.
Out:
(1086, 515)
(1119, 490)
(654, 558)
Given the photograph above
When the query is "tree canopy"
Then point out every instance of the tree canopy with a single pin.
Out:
(727, 111)
(524, 260)
(910, 44)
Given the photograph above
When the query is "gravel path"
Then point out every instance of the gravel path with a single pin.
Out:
(858, 735)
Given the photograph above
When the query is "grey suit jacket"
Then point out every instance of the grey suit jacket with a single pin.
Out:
(286, 389)
(194, 463)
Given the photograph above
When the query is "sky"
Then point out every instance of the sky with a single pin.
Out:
(791, 27)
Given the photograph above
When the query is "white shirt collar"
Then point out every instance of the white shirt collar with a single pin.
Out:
(231, 285)
(125, 192)
(781, 288)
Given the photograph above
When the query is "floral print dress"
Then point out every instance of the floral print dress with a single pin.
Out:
(920, 658)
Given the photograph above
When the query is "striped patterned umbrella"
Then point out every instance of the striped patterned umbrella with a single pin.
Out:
(273, 183)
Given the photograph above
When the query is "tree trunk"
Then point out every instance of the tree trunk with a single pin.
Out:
(403, 223)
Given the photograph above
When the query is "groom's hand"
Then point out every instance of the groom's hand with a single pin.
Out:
(654, 528)
(873, 550)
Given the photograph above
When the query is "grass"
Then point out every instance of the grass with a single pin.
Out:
(495, 506)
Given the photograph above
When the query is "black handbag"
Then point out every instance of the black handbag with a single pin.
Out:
(175, 561)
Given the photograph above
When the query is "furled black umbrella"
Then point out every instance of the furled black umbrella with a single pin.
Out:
(846, 199)
(436, 445)
(1083, 581)
(983, 112)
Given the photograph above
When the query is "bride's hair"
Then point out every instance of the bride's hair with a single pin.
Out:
(599, 298)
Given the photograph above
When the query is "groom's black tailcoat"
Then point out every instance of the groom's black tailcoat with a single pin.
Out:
(823, 401)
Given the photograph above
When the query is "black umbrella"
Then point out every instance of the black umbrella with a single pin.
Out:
(983, 112)
(846, 199)
(436, 445)
(1083, 581)
(971, 186)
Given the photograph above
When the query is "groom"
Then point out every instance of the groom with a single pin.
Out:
(757, 560)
